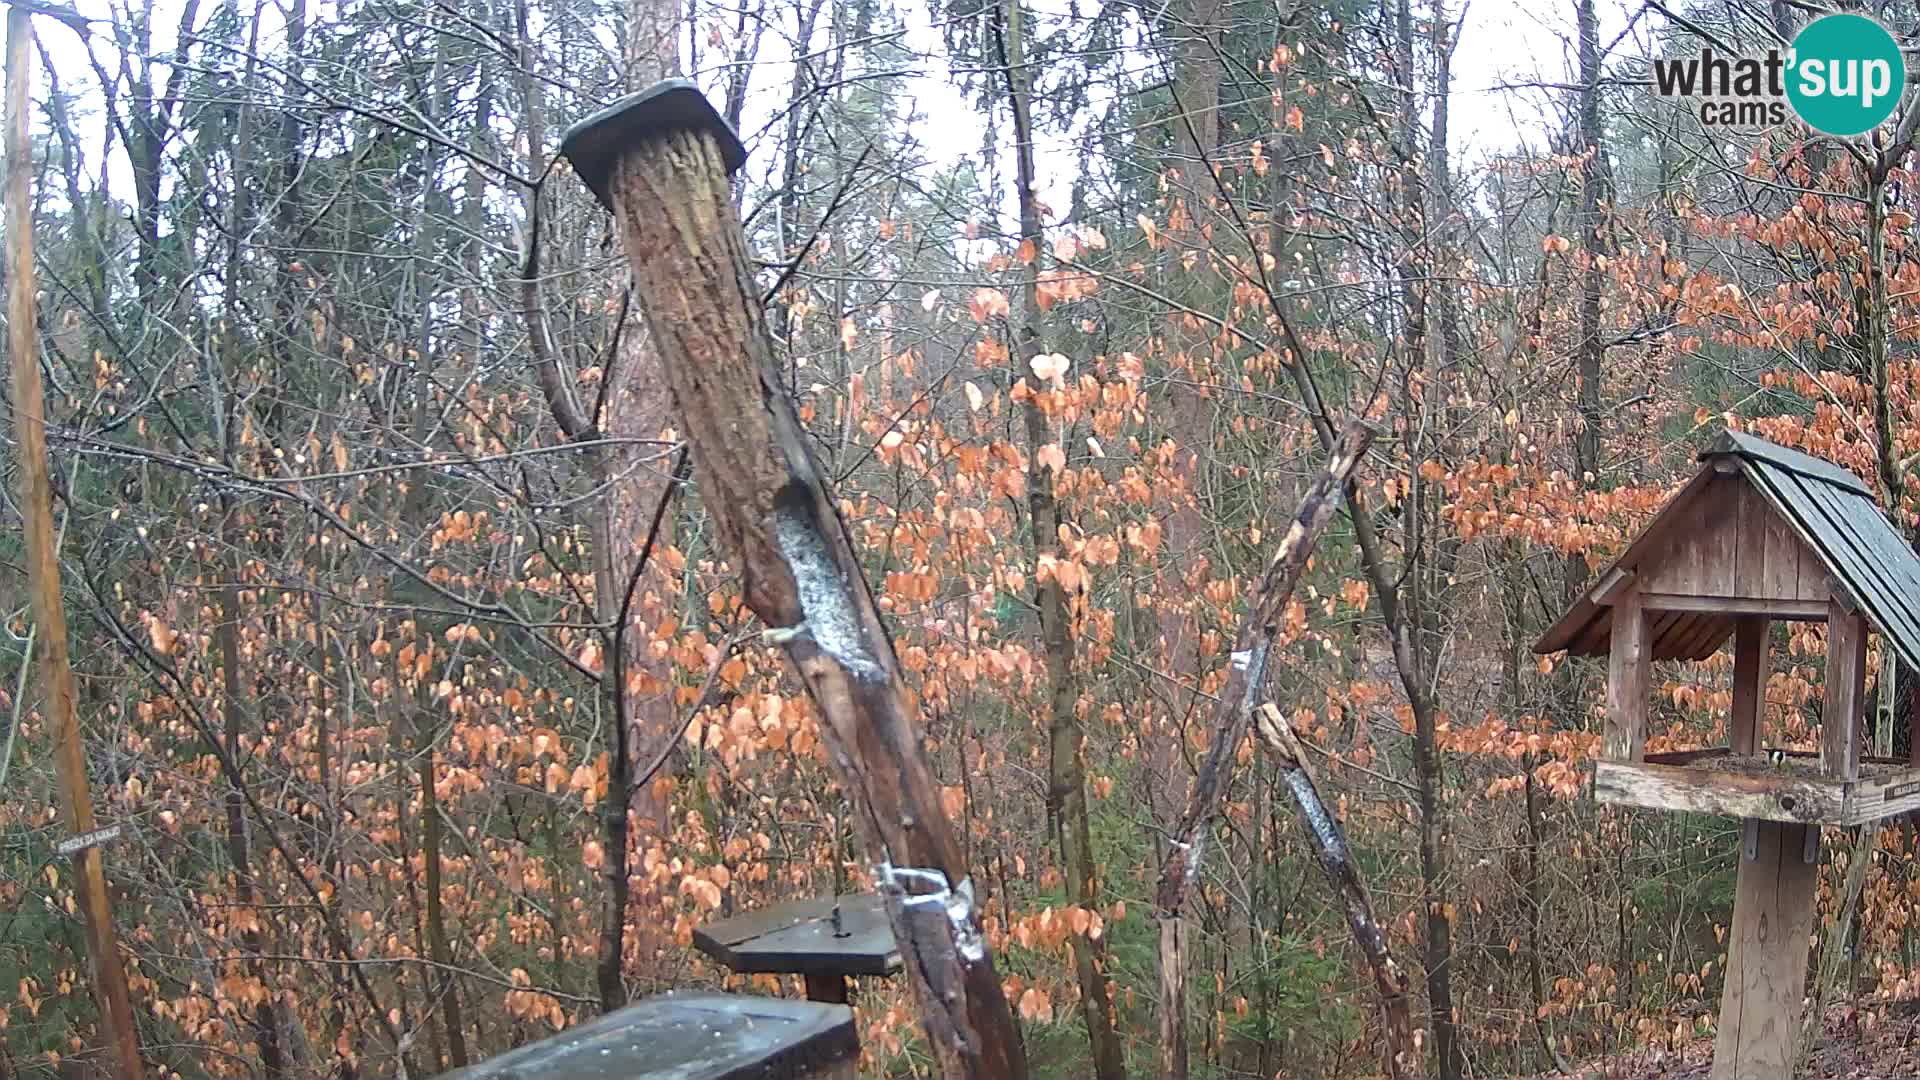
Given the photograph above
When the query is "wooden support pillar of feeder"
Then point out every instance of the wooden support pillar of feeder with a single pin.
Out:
(692, 1037)
(1774, 890)
(661, 161)
(1751, 665)
(1762, 533)
(1628, 673)
(827, 941)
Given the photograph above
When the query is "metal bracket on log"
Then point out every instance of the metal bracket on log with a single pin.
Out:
(1750, 839)
(1810, 850)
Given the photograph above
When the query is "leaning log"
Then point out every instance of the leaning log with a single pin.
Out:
(1402, 1056)
(1233, 709)
(661, 160)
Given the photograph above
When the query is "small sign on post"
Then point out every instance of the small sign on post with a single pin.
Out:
(74, 845)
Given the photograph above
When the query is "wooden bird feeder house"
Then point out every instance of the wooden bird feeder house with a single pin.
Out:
(1762, 533)
(692, 1037)
(825, 940)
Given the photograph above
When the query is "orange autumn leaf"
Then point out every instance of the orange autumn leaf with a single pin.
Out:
(989, 304)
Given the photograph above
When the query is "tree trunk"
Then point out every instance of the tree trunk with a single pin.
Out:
(30, 422)
(1595, 198)
(1425, 563)
(635, 691)
(1066, 771)
(1196, 94)
(232, 685)
(777, 520)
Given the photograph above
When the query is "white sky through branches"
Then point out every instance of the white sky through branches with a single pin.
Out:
(1510, 82)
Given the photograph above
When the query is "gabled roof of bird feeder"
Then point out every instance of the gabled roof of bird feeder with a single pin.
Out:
(1760, 522)
(805, 937)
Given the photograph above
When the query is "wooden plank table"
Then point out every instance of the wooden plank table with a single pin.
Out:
(805, 938)
(692, 1037)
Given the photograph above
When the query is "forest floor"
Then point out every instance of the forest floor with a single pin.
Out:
(1885, 1049)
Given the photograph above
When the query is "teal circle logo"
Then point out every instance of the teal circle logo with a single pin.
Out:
(1845, 74)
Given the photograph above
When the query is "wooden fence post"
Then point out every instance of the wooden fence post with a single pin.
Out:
(660, 160)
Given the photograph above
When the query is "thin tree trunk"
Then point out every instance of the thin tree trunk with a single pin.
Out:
(1595, 196)
(580, 424)
(1834, 945)
(1423, 570)
(446, 1028)
(265, 1030)
(30, 422)
(1875, 332)
(1066, 771)
(635, 690)
(232, 685)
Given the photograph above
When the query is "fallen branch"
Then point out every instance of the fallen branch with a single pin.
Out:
(1402, 1057)
(1232, 712)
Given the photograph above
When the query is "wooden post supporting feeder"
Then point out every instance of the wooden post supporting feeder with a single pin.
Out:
(827, 940)
(692, 1037)
(1761, 534)
(660, 160)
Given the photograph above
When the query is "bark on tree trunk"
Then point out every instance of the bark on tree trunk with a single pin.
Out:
(1066, 771)
(265, 1030)
(638, 407)
(443, 1006)
(777, 520)
(1595, 196)
(1417, 637)
(635, 691)
(1196, 91)
(1232, 713)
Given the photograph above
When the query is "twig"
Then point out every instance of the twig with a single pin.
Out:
(1833, 949)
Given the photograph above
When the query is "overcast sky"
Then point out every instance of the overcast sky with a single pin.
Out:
(1506, 47)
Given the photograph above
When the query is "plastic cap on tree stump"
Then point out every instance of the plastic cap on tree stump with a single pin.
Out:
(668, 106)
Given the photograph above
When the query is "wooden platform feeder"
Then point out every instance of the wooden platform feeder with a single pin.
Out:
(827, 940)
(692, 1037)
(1763, 533)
